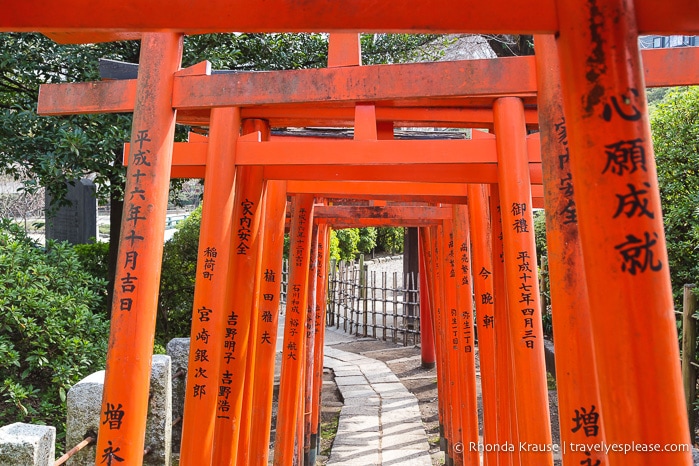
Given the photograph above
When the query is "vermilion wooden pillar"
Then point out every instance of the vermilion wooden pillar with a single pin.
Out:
(125, 397)
(621, 230)
(243, 268)
(451, 322)
(521, 277)
(294, 335)
(576, 374)
(244, 436)
(504, 367)
(484, 293)
(206, 342)
(427, 347)
(443, 392)
(267, 325)
(428, 241)
(466, 337)
(309, 330)
(321, 308)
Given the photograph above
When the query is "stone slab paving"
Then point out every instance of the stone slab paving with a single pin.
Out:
(380, 421)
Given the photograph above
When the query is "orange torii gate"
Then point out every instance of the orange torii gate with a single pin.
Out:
(609, 150)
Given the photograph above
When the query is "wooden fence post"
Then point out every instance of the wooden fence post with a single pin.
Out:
(689, 348)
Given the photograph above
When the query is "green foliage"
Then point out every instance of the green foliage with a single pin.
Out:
(94, 258)
(334, 246)
(348, 243)
(675, 125)
(353, 241)
(51, 331)
(390, 239)
(367, 240)
(540, 234)
(177, 280)
(398, 48)
(57, 150)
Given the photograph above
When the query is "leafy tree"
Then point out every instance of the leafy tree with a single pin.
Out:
(510, 45)
(54, 151)
(390, 239)
(348, 243)
(675, 125)
(367, 240)
(51, 331)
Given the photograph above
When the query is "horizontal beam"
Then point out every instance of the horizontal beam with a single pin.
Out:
(428, 173)
(346, 213)
(374, 83)
(388, 86)
(378, 190)
(444, 16)
(372, 153)
(447, 193)
(189, 158)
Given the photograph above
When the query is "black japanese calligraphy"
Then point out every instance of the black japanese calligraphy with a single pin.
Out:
(637, 254)
(113, 416)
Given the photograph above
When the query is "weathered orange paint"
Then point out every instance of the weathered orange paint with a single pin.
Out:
(244, 262)
(210, 288)
(484, 293)
(140, 253)
(310, 334)
(294, 337)
(576, 373)
(415, 105)
(427, 337)
(467, 336)
(429, 242)
(621, 231)
(266, 335)
(520, 16)
(451, 333)
(321, 309)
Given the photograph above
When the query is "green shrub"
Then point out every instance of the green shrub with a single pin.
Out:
(177, 280)
(51, 331)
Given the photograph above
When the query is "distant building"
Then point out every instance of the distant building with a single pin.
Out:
(661, 42)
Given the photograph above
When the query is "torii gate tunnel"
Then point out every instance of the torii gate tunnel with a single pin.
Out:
(591, 166)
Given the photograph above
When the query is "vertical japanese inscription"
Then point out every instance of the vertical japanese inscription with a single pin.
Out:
(466, 314)
(223, 405)
(568, 212)
(628, 158)
(135, 212)
(245, 227)
(525, 297)
(270, 286)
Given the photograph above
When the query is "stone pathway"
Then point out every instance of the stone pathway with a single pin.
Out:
(380, 421)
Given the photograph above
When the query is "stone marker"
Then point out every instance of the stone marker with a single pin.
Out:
(27, 445)
(178, 350)
(85, 416)
(76, 223)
